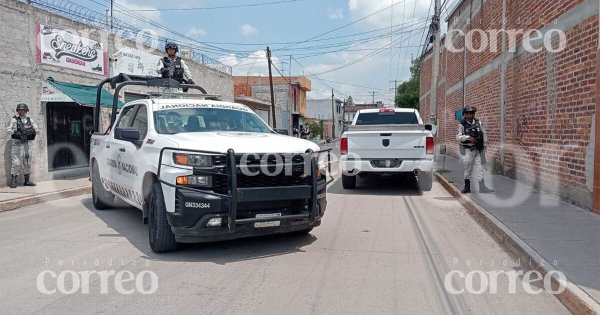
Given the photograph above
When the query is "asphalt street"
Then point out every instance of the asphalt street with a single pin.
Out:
(383, 248)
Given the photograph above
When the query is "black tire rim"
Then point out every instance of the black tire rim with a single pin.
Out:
(95, 185)
(152, 219)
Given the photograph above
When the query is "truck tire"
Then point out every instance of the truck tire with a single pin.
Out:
(160, 235)
(101, 198)
(348, 182)
(425, 181)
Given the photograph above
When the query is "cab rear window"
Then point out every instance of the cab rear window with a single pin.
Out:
(387, 118)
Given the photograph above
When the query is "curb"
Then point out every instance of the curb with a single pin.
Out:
(16, 203)
(574, 298)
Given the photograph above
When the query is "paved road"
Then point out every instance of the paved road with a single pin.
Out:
(385, 248)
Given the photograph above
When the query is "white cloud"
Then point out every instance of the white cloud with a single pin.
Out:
(121, 6)
(402, 12)
(335, 14)
(195, 32)
(252, 64)
(247, 30)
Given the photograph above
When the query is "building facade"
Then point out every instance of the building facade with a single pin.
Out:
(323, 110)
(57, 82)
(536, 94)
(289, 97)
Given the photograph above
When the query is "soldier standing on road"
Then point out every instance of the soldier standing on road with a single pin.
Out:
(472, 140)
(22, 131)
(172, 66)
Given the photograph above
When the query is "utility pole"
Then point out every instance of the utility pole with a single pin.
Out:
(271, 84)
(436, 61)
(395, 91)
(332, 114)
(111, 16)
(373, 97)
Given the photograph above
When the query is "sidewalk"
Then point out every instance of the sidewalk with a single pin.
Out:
(13, 198)
(539, 227)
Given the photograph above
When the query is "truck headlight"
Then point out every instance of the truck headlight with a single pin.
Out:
(192, 159)
(195, 180)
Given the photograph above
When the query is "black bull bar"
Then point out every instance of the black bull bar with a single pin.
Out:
(236, 194)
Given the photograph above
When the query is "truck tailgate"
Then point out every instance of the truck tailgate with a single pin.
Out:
(387, 142)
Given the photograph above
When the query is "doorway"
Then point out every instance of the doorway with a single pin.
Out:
(69, 126)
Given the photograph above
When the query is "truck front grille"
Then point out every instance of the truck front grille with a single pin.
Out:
(291, 174)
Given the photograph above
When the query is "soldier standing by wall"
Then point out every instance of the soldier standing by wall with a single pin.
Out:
(22, 131)
(472, 140)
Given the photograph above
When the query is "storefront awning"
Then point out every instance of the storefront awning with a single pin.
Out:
(56, 91)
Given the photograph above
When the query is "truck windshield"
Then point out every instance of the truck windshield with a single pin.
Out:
(387, 118)
(179, 120)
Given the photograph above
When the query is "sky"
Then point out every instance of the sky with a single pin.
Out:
(355, 47)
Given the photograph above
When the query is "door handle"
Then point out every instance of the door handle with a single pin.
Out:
(122, 149)
(108, 146)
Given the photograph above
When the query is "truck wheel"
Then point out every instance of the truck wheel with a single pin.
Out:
(425, 181)
(101, 198)
(348, 182)
(160, 235)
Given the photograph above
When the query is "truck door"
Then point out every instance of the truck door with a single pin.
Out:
(121, 167)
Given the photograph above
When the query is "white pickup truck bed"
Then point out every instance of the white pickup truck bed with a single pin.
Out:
(387, 149)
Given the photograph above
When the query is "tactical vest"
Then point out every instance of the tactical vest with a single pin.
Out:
(473, 130)
(25, 128)
(176, 72)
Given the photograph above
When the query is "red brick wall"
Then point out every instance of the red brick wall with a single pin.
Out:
(550, 97)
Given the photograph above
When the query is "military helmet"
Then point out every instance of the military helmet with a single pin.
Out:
(22, 106)
(469, 109)
(171, 45)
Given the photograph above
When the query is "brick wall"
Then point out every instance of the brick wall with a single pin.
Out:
(549, 96)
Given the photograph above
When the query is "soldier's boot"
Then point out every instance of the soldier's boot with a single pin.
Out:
(27, 181)
(13, 181)
(483, 189)
(467, 188)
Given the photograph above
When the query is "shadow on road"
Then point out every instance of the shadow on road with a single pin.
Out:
(127, 222)
(378, 186)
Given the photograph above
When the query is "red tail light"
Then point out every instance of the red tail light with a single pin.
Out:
(429, 145)
(344, 146)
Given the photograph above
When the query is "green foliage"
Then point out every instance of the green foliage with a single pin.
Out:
(408, 94)
(316, 128)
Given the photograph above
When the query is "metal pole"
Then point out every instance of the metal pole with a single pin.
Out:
(271, 84)
(332, 114)
(395, 91)
(436, 60)
(111, 16)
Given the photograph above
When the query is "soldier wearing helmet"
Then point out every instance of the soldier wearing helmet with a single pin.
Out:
(22, 131)
(472, 140)
(172, 66)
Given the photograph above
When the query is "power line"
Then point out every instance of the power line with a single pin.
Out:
(345, 25)
(216, 8)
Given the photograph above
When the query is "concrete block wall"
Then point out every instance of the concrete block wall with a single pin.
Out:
(21, 77)
(543, 133)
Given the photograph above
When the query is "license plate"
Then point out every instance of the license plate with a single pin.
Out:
(267, 224)
(385, 163)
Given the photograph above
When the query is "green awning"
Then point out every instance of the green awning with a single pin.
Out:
(84, 94)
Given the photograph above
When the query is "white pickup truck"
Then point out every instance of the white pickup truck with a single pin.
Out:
(387, 141)
(203, 170)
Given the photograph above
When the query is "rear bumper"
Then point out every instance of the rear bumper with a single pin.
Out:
(365, 166)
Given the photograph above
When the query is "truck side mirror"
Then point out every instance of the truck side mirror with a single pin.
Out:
(131, 134)
(428, 127)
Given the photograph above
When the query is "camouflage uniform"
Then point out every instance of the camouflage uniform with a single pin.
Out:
(473, 154)
(20, 152)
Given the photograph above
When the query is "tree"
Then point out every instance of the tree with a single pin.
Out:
(408, 94)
